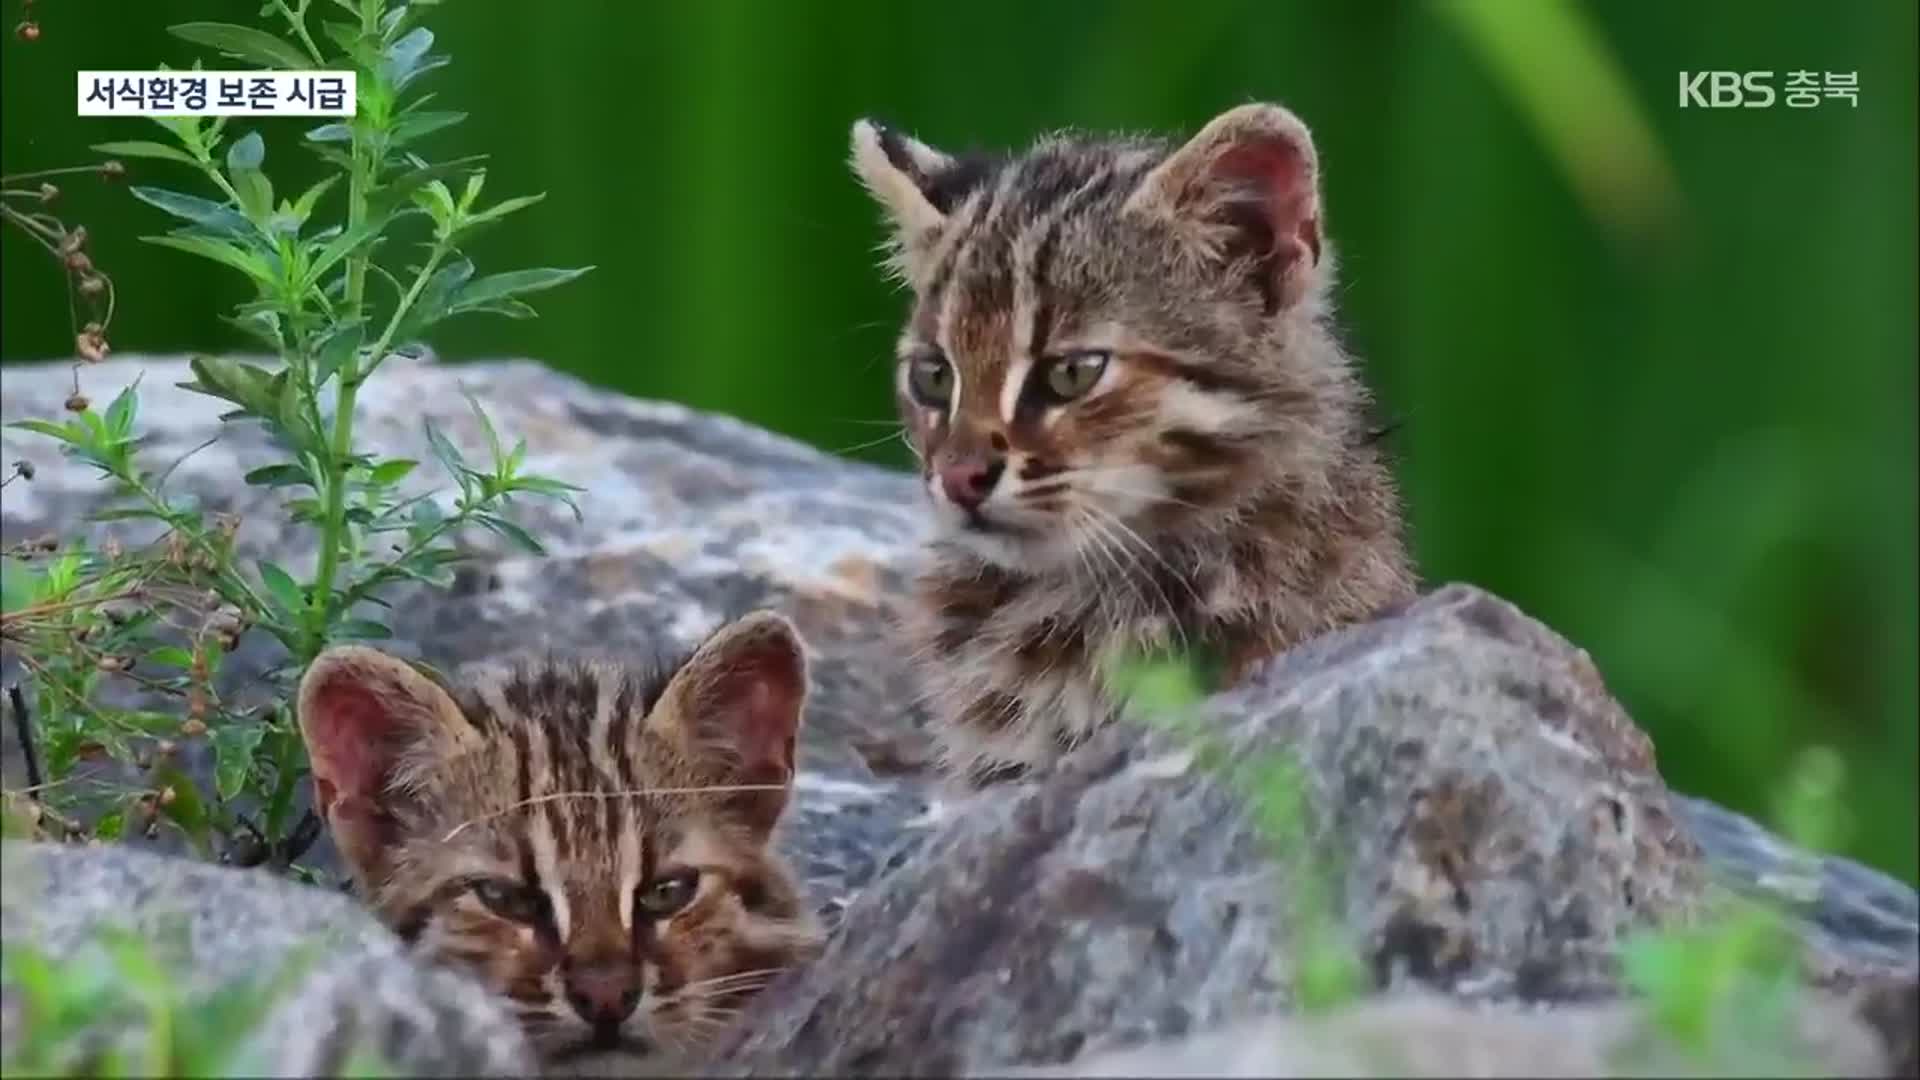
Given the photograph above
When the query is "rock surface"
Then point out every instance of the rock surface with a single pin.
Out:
(1501, 822)
(1499, 819)
(1427, 1035)
(362, 995)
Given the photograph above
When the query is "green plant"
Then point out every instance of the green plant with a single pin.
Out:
(113, 1008)
(1164, 691)
(1723, 990)
(336, 292)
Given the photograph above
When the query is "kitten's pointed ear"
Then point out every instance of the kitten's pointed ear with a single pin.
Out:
(915, 184)
(1248, 186)
(362, 713)
(737, 704)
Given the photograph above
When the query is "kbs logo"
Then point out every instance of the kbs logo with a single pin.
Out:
(1755, 89)
(1726, 89)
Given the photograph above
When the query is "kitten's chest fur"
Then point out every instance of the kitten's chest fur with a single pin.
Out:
(1013, 662)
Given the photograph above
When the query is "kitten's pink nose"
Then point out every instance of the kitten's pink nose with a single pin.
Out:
(604, 994)
(969, 482)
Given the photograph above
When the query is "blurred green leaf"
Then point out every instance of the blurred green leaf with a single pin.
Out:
(243, 43)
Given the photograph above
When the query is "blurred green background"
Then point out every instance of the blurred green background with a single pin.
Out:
(1657, 365)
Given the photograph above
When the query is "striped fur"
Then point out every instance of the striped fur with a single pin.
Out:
(1216, 487)
(526, 824)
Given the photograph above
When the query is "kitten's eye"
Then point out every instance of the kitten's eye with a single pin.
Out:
(930, 380)
(666, 895)
(510, 899)
(1069, 377)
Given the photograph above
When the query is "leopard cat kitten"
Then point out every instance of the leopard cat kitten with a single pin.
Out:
(1133, 418)
(592, 842)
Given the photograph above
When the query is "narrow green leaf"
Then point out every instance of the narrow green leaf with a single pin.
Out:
(390, 472)
(233, 746)
(282, 587)
(504, 207)
(342, 246)
(543, 485)
(65, 433)
(192, 208)
(126, 513)
(140, 148)
(471, 194)
(172, 656)
(405, 54)
(339, 346)
(284, 474)
(511, 531)
(486, 426)
(243, 43)
(448, 454)
(399, 189)
(330, 133)
(419, 125)
(512, 309)
(221, 377)
(219, 251)
(363, 629)
(121, 413)
(303, 206)
(291, 412)
(256, 196)
(246, 154)
(512, 283)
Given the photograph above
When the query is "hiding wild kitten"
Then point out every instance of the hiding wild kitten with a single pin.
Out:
(1133, 418)
(591, 842)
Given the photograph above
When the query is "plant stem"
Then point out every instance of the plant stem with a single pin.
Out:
(378, 354)
(333, 522)
(333, 525)
(299, 24)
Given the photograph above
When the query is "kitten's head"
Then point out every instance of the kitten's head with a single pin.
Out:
(592, 842)
(1110, 335)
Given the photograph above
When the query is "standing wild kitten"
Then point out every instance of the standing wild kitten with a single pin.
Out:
(1136, 425)
(591, 842)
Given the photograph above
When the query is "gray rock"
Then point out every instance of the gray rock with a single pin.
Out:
(690, 518)
(214, 926)
(1428, 1035)
(1500, 822)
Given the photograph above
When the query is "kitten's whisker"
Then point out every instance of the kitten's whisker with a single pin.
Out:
(1115, 526)
(870, 443)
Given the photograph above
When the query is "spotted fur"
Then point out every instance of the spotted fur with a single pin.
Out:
(590, 840)
(1216, 486)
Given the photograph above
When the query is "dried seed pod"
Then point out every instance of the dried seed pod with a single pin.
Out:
(48, 192)
(92, 285)
(110, 664)
(167, 795)
(24, 468)
(112, 170)
(78, 402)
(92, 346)
(193, 728)
(27, 31)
